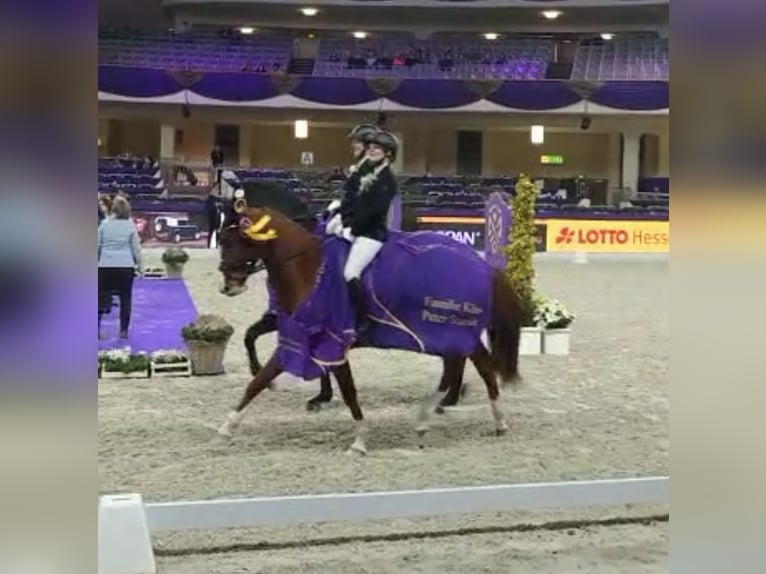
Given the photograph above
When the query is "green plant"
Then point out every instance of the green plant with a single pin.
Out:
(122, 361)
(175, 256)
(521, 247)
(208, 329)
(551, 313)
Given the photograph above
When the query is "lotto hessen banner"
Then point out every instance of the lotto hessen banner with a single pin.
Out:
(608, 236)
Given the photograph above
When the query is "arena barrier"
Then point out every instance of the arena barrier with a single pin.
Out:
(125, 522)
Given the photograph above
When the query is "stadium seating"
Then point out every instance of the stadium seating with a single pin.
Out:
(402, 56)
(630, 59)
(130, 175)
(202, 50)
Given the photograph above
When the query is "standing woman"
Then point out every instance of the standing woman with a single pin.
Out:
(119, 258)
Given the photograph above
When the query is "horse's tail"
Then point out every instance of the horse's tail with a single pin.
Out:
(505, 329)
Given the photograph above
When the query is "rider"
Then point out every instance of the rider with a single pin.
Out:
(364, 216)
(360, 137)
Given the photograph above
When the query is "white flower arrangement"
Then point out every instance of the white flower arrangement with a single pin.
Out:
(166, 356)
(121, 355)
(552, 314)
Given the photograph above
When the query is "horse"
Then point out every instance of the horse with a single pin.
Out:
(451, 385)
(314, 330)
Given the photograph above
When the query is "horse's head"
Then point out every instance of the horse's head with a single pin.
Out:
(246, 240)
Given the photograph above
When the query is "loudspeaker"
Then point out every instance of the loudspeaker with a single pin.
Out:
(585, 123)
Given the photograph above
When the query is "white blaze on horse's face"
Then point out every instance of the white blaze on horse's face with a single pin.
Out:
(376, 153)
(232, 290)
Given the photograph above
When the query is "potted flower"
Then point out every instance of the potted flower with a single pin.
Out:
(520, 266)
(122, 362)
(174, 259)
(207, 338)
(555, 320)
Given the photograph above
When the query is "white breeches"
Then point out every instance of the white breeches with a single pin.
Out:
(363, 251)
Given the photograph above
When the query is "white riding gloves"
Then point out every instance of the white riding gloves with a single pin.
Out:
(335, 225)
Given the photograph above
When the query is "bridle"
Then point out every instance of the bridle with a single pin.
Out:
(252, 267)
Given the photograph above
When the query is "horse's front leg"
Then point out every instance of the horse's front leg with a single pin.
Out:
(325, 395)
(348, 390)
(266, 324)
(262, 380)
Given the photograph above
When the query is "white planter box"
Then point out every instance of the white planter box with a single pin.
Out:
(531, 341)
(556, 341)
(181, 368)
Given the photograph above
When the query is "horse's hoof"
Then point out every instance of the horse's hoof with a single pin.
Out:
(357, 450)
(225, 430)
(255, 369)
(439, 410)
(313, 406)
(501, 431)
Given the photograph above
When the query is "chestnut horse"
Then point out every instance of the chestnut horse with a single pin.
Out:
(293, 257)
(451, 384)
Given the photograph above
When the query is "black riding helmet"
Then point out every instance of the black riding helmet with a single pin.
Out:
(387, 141)
(363, 133)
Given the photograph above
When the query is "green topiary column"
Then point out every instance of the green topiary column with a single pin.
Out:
(521, 246)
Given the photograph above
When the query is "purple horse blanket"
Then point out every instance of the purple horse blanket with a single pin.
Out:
(425, 293)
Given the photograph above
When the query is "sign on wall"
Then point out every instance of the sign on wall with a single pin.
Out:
(608, 236)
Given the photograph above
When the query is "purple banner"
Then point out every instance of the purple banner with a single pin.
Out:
(497, 225)
(416, 93)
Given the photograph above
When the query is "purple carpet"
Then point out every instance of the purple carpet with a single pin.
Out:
(160, 308)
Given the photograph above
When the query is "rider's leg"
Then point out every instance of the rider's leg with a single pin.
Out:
(363, 251)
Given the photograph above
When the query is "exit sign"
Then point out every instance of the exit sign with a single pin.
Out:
(552, 159)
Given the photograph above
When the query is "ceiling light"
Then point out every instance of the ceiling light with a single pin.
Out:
(537, 134)
(309, 11)
(607, 36)
(490, 36)
(301, 129)
(551, 14)
(246, 30)
(359, 35)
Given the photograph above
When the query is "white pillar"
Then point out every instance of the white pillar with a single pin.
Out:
(399, 163)
(245, 144)
(631, 145)
(167, 142)
(614, 166)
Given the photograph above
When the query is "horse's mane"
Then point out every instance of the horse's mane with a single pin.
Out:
(275, 195)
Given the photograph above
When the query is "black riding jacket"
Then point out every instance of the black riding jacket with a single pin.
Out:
(366, 211)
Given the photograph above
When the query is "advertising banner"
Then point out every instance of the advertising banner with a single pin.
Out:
(467, 230)
(567, 235)
(171, 228)
(472, 231)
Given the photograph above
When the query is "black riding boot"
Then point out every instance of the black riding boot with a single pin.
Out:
(356, 290)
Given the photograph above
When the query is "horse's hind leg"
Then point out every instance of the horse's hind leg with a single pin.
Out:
(348, 391)
(451, 382)
(325, 394)
(262, 380)
(483, 363)
(450, 379)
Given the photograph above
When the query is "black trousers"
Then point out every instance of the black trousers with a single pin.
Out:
(116, 281)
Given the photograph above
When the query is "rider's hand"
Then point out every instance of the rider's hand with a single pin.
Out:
(331, 209)
(334, 225)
